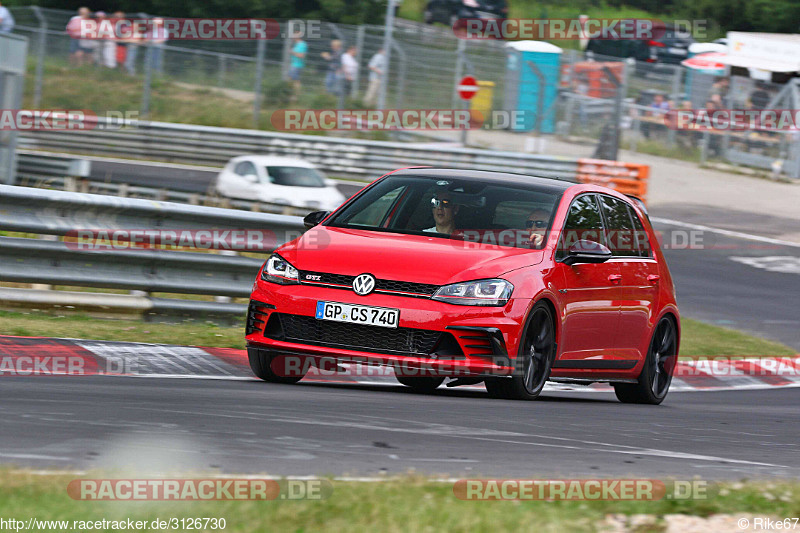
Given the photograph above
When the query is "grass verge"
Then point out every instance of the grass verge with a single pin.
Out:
(403, 504)
(698, 338)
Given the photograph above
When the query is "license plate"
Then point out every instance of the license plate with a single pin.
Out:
(677, 51)
(358, 314)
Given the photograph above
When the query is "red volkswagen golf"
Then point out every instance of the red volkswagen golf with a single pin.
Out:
(472, 276)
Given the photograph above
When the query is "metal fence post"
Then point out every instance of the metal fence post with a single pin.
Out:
(387, 49)
(40, 53)
(459, 72)
(148, 80)
(221, 70)
(676, 87)
(359, 56)
(260, 50)
(400, 97)
(287, 50)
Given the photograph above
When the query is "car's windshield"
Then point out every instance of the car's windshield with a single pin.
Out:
(490, 212)
(295, 176)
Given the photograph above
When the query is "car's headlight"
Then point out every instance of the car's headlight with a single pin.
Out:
(279, 270)
(485, 292)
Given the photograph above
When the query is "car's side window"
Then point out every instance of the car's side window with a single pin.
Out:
(375, 213)
(584, 222)
(640, 235)
(244, 168)
(619, 227)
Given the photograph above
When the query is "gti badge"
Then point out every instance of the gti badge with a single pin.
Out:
(364, 284)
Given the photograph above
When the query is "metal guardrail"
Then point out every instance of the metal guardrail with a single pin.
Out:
(352, 158)
(57, 213)
(57, 171)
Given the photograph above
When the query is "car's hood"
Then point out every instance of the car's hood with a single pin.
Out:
(414, 258)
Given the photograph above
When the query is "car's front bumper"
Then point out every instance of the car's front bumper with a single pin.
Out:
(484, 336)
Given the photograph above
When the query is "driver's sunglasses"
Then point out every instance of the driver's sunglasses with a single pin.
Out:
(535, 223)
(435, 202)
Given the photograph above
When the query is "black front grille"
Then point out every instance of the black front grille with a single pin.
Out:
(421, 289)
(404, 341)
(405, 286)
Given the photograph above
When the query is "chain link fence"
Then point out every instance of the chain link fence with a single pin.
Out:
(603, 101)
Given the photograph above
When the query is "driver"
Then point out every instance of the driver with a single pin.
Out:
(536, 224)
(444, 213)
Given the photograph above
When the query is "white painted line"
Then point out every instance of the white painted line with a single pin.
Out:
(735, 234)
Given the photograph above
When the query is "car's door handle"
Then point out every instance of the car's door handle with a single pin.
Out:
(615, 278)
(653, 278)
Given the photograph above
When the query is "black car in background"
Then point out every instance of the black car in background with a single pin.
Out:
(669, 45)
(449, 11)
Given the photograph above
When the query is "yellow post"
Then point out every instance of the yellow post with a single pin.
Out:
(482, 101)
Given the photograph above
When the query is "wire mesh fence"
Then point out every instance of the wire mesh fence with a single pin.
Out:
(598, 99)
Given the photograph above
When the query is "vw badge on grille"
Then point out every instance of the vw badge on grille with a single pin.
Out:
(364, 284)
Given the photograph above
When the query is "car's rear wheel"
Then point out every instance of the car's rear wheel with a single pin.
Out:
(656, 376)
(419, 383)
(264, 366)
(534, 360)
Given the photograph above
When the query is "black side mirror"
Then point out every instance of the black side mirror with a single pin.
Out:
(314, 218)
(587, 252)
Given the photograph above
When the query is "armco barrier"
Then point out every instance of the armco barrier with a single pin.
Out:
(56, 213)
(626, 178)
(352, 158)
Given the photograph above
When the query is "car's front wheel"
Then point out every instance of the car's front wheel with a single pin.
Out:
(267, 366)
(534, 360)
(656, 376)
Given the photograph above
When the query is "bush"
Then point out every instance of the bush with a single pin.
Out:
(278, 94)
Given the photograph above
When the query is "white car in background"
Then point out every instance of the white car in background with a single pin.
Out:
(278, 180)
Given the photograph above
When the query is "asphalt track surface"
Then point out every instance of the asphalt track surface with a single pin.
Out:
(716, 280)
(248, 426)
(234, 426)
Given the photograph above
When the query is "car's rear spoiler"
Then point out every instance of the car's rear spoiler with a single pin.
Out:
(640, 203)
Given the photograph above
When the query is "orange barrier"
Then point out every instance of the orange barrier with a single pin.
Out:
(591, 77)
(626, 178)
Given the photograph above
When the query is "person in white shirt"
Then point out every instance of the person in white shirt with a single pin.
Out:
(349, 68)
(107, 47)
(80, 50)
(444, 214)
(6, 20)
(377, 68)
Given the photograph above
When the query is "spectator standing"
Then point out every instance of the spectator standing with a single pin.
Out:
(122, 47)
(333, 70)
(377, 69)
(719, 90)
(137, 38)
(349, 69)
(759, 99)
(106, 47)
(157, 37)
(80, 50)
(6, 20)
(297, 64)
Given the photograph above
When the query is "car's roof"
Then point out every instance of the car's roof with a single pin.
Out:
(499, 178)
(275, 160)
